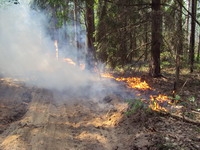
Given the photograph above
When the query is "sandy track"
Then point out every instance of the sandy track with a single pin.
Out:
(55, 121)
(39, 119)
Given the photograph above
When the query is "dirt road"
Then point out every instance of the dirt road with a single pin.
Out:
(40, 119)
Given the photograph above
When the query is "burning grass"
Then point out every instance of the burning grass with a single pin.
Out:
(155, 95)
(156, 103)
(132, 82)
(84, 124)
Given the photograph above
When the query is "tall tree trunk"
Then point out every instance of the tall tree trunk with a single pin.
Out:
(123, 34)
(179, 46)
(192, 35)
(156, 28)
(76, 34)
(187, 30)
(90, 58)
(146, 41)
(101, 30)
(65, 20)
(101, 15)
(198, 52)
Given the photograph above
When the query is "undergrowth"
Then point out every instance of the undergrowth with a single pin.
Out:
(136, 105)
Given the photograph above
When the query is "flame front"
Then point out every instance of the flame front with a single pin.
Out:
(107, 75)
(156, 103)
(132, 82)
(135, 82)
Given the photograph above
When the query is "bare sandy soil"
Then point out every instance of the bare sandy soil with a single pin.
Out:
(40, 119)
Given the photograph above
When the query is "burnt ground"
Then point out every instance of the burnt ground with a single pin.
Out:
(39, 119)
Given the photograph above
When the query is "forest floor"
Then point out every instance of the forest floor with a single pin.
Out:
(39, 119)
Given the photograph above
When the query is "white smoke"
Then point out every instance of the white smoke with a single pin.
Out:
(27, 52)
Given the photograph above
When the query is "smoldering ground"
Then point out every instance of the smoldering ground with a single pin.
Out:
(28, 52)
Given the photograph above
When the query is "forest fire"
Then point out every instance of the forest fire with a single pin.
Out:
(132, 82)
(156, 103)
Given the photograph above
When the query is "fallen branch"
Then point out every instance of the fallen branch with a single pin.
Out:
(186, 119)
(181, 117)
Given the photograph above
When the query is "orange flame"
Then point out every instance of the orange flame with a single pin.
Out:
(132, 82)
(107, 75)
(135, 82)
(156, 101)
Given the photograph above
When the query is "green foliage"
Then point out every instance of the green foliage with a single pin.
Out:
(176, 99)
(134, 106)
(123, 27)
(165, 64)
(165, 56)
(197, 66)
(187, 102)
(191, 99)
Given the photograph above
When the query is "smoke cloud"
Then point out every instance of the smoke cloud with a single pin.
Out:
(27, 52)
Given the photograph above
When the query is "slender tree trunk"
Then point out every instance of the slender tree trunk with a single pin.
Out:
(146, 41)
(198, 52)
(130, 56)
(90, 58)
(187, 31)
(179, 47)
(123, 42)
(192, 35)
(101, 30)
(76, 34)
(102, 14)
(154, 70)
(65, 20)
(134, 44)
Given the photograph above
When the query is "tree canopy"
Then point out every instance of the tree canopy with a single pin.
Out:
(126, 34)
